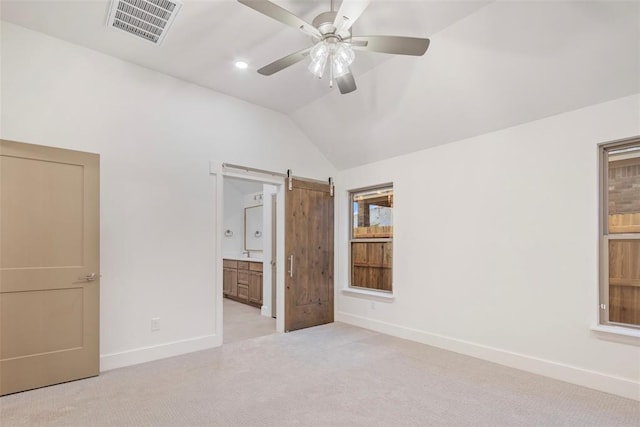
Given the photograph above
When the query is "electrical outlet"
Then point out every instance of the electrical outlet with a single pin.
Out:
(155, 324)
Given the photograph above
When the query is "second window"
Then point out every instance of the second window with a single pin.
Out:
(371, 244)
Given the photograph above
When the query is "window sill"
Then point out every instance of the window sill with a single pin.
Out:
(362, 293)
(618, 333)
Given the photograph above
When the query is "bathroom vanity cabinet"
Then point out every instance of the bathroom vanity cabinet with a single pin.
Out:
(230, 278)
(242, 281)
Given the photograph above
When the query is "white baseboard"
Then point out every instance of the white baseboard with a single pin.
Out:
(160, 351)
(265, 310)
(571, 374)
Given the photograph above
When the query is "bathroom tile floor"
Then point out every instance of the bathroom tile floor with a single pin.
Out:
(242, 322)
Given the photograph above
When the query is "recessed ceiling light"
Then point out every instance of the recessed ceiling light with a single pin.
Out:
(241, 64)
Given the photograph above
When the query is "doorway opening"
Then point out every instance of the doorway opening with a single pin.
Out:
(251, 236)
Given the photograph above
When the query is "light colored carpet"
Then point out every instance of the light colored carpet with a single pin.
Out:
(331, 375)
(242, 321)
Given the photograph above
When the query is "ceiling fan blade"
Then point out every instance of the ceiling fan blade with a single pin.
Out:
(346, 83)
(285, 62)
(393, 44)
(282, 15)
(349, 11)
(360, 43)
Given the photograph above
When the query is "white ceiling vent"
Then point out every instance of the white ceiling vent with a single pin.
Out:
(147, 19)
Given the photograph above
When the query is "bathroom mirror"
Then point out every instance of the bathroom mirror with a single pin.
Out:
(253, 228)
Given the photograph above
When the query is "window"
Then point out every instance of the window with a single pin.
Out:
(620, 234)
(371, 244)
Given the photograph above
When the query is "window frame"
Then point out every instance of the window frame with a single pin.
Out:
(603, 231)
(351, 240)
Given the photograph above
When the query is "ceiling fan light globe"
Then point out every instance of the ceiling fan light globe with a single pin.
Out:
(317, 66)
(319, 51)
(340, 67)
(345, 53)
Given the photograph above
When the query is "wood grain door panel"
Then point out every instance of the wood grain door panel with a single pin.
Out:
(309, 250)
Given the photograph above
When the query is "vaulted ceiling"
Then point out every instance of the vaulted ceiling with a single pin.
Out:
(490, 65)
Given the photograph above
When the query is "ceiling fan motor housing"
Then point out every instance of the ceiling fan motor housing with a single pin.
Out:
(324, 24)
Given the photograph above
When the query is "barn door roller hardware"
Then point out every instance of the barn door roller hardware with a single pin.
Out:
(290, 181)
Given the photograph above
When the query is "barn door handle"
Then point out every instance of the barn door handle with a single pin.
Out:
(291, 266)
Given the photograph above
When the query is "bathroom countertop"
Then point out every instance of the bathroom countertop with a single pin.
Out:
(243, 258)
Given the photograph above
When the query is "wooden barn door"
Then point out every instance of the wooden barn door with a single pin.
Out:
(309, 252)
(49, 266)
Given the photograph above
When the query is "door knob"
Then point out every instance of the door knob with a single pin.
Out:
(89, 277)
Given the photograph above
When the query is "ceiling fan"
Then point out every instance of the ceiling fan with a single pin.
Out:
(333, 44)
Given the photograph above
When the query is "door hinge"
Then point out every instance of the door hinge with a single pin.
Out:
(290, 179)
(331, 186)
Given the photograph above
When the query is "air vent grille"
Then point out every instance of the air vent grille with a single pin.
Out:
(147, 19)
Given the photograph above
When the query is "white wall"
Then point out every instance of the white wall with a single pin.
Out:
(156, 136)
(233, 221)
(237, 196)
(495, 249)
